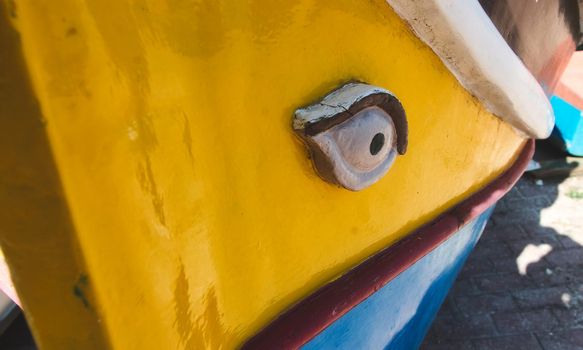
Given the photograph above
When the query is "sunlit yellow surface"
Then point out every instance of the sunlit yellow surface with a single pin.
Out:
(193, 215)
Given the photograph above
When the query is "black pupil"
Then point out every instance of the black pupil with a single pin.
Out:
(377, 143)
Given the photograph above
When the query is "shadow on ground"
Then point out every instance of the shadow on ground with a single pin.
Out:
(522, 287)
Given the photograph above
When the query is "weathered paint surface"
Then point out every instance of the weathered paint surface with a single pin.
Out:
(399, 314)
(37, 236)
(310, 316)
(467, 41)
(568, 133)
(568, 106)
(542, 33)
(340, 132)
(168, 174)
(570, 87)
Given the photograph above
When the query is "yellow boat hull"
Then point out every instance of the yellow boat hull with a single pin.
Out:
(168, 202)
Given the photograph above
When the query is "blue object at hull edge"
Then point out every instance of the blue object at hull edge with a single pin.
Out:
(399, 314)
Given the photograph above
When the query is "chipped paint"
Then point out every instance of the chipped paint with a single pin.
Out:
(468, 43)
(255, 228)
(342, 132)
(79, 290)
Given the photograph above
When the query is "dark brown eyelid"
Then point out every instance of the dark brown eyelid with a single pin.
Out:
(386, 102)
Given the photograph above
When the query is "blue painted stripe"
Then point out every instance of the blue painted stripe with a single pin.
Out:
(568, 132)
(398, 315)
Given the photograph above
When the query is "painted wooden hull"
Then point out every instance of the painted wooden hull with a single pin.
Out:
(412, 276)
(399, 314)
(544, 36)
(568, 104)
(568, 132)
(154, 194)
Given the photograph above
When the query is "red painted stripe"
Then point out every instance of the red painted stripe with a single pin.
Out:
(310, 316)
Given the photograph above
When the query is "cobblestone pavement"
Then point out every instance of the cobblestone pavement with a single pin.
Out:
(522, 287)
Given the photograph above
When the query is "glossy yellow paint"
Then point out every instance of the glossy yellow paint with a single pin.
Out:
(192, 212)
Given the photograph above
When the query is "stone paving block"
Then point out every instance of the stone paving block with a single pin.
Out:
(443, 327)
(447, 328)
(492, 249)
(566, 257)
(571, 339)
(535, 230)
(476, 266)
(538, 202)
(464, 287)
(472, 327)
(576, 295)
(514, 193)
(504, 232)
(555, 276)
(484, 303)
(527, 188)
(543, 297)
(518, 246)
(522, 322)
(567, 242)
(513, 342)
(577, 286)
(448, 308)
(504, 265)
(569, 318)
(503, 282)
(513, 217)
(449, 345)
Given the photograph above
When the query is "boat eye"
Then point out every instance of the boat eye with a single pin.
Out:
(354, 134)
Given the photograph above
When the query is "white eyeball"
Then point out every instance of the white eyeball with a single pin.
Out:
(363, 140)
(354, 134)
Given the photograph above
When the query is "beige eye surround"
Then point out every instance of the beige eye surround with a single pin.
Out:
(354, 134)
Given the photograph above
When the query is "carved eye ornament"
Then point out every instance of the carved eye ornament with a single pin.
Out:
(354, 134)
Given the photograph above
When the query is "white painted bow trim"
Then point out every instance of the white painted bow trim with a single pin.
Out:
(466, 40)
